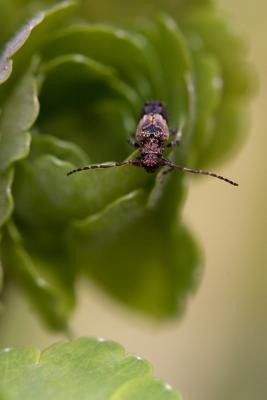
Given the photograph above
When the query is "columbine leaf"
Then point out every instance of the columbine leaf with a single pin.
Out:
(61, 195)
(110, 46)
(162, 273)
(5, 70)
(214, 36)
(18, 115)
(175, 70)
(84, 96)
(1, 280)
(122, 12)
(15, 44)
(6, 200)
(100, 228)
(231, 127)
(48, 144)
(86, 368)
(209, 92)
(50, 291)
(74, 69)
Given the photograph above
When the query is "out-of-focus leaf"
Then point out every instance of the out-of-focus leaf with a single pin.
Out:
(231, 128)
(175, 70)
(230, 49)
(86, 368)
(162, 272)
(209, 88)
(213, 35)
(50, 294)
(126, 12)
(18, 115)
(1, 279)
(6, 200)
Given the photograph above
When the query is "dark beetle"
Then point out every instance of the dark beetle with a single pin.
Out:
(152, 138)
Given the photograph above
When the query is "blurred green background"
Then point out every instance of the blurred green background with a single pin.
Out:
(219, 349)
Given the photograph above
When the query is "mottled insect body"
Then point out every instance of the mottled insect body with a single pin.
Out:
(152, 138)
(152, 134)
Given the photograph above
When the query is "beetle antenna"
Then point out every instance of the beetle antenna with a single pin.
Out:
(103, 165)
(170, 164)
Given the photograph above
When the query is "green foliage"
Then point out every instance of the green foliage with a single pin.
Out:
(83, 369)
(71, 94)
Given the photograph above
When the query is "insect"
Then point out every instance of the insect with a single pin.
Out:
(152, 137)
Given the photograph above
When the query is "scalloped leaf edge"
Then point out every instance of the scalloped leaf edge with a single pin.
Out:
(84, 364)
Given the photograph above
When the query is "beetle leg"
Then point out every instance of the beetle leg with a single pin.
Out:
(178, 136)
(132, 142)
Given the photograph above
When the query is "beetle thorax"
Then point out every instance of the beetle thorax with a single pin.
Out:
(153, 127)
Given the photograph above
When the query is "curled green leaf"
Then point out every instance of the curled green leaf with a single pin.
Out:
(111, 46)
(17, 42)
(74, 68)
(6, 200)
(102, 227)
(18, 115)
(1, 281)
(65, 198)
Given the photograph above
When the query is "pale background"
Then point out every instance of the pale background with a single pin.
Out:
(219, 349)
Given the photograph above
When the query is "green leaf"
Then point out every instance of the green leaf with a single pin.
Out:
(18, 41)
(177, 73)
(87, 97)
(99, 228)
(18, 115)
(50, 291)
(210, 34)
(97, 79)
(84, 369)
(111, 46)
(15, 44)
(76, 68)
(6, 200)
(1, 281)
(158, 280)
(232, 125)
(209, 92)
(92, 81)
(65, 198)
(175, 66)
(48, 144)
(127, 12)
